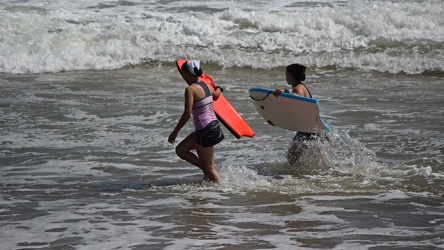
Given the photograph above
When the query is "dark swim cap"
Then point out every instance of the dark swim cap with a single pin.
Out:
(297, 71)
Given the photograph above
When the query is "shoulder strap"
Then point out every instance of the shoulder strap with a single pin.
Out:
(204, 86)
(305, 88)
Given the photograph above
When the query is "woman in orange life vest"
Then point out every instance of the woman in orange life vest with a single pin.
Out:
(199, 102)
(295, 74)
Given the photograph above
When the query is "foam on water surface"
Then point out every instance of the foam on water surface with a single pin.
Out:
(60, 36)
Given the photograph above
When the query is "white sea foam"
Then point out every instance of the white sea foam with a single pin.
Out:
(82, 35)
(85, 164)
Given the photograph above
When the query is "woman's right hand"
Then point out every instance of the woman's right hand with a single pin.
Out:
(172, 137)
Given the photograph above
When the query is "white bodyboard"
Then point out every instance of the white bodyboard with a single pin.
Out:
(289, 111)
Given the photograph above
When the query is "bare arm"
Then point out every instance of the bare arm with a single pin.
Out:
(188, 107)
(216, 93)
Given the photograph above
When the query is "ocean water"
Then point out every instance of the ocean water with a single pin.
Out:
(90, 92)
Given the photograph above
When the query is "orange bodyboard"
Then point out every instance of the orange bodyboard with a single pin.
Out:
(226, 114)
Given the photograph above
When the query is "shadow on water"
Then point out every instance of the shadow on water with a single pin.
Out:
(147, 185)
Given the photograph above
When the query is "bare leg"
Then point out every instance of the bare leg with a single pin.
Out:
(206, 156)
(183, 150)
